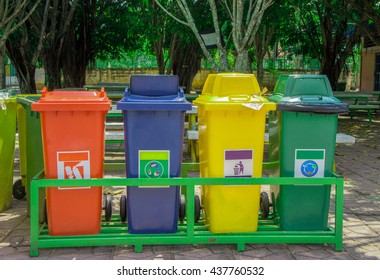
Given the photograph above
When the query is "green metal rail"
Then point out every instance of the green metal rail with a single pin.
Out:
(115, 233)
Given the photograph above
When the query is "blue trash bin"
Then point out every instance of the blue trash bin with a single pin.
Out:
(153, 112)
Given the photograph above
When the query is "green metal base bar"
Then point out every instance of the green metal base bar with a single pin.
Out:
(115, 233)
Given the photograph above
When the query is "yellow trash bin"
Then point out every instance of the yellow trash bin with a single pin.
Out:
(231, 127)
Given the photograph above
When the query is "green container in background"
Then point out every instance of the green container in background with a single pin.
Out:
(30, 146)
(7, 148)
(302, 138)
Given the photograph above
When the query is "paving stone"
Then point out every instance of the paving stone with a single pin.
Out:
(254, 253)
(312, 254)
(4, 251)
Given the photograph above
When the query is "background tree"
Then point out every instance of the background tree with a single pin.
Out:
(323, 30)
(175, 47)
(24, 47)
(12, 15)
(244, 18)
(269, 32)
(98, 29)
(371, 10)
(60, 16)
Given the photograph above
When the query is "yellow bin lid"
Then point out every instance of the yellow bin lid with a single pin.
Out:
(232, 91)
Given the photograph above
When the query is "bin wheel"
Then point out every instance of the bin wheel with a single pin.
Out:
(108, 207)
(197, 208)
(182, 207)
(18, 190)
(123, 208)
(264, 205)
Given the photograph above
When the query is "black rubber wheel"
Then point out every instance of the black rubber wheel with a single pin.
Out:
(197, 208)
(264, 205)
(108, 207)
(123, 208)
(182, 207)
(18, 190)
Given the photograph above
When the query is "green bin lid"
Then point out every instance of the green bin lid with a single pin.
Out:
(306, 93)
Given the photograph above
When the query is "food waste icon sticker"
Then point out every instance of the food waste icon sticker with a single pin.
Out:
(238, 163)
(73, 165)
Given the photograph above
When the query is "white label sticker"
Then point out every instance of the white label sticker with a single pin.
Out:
(309, 163)
(238, 163)
(73, 165)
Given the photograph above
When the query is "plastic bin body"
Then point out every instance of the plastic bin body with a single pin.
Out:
(73, 128)
(153, 112)
(302, 137)
(231, 134)
(7, 146)
(30, 146)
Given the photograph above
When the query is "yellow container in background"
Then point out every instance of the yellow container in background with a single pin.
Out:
(231, 127)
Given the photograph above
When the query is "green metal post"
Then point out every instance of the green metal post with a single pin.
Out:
(339, 192)
(34, 223)
(190, 210)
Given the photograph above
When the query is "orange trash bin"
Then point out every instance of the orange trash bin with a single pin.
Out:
(73, 128)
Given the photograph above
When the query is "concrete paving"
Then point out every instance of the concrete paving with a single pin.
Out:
(358, 163)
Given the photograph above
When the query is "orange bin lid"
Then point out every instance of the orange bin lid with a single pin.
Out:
(72, 100)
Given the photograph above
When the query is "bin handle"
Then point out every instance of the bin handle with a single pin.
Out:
(102, 92)
(238, 97)
(308, 98)
(44, 92)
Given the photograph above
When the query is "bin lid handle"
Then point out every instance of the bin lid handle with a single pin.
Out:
(311, 98)
(44, 92)
(102, 92)
(239, 97)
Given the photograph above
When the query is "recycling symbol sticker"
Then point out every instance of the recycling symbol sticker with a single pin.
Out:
(309, 168)
(309, 163)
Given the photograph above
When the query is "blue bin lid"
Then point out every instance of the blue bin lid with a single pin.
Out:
(154, 92)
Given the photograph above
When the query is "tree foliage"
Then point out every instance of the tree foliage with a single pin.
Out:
(66, 36)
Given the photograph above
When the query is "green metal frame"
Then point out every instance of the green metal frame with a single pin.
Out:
(115, 233)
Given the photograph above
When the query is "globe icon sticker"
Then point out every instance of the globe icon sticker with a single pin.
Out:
(154, 169)
(309, 168)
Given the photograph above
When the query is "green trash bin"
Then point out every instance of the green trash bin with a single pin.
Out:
(302, 138)
(7, 148)
(30, 147)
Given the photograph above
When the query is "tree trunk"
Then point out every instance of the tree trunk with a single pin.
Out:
(159, 52)
(52, 72)
(242, 61)
(186, 65)
(260, 70)
(332, 72)
(261, 43)
(25, 71)
(2, 67)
